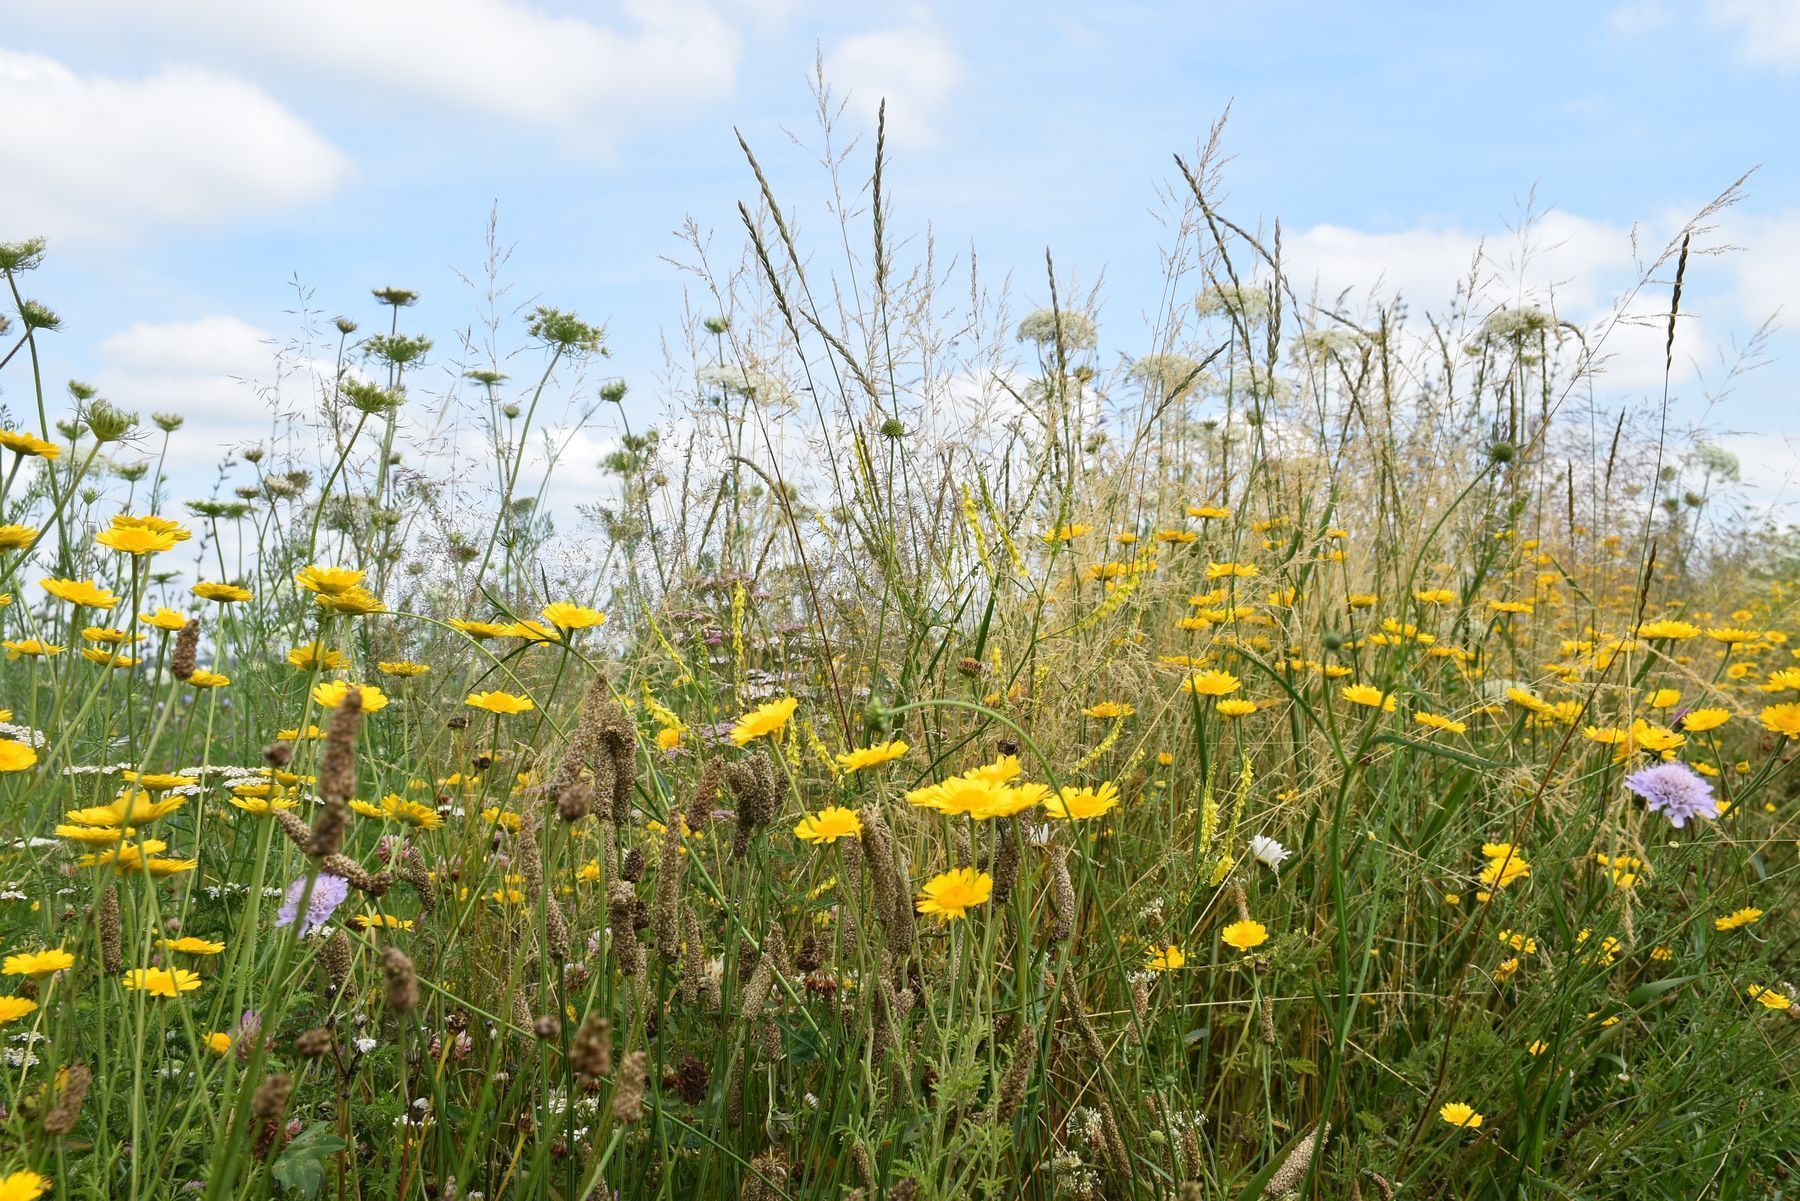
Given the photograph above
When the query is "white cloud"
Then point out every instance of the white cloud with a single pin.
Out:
(502, 57)
(1769, 29)
(1770, 462)
(915, 70)
(93, 157)
(219, 373)
(1764, 268)
(1562, 259)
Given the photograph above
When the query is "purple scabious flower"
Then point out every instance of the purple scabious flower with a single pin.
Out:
(1674, 790)
(328, 892)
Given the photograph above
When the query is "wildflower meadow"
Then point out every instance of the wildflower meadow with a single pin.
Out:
(1336, 750)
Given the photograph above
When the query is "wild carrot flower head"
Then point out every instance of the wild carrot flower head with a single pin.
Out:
(1676, 791)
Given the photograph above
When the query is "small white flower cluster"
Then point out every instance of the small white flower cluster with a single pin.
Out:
(215, 891)
(1078, 329)
(746, 382)
(1322, 344)
(1250, 304)
(1526, 320)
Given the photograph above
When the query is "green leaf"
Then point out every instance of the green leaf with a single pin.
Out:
(1644, 993)
(301, 1165)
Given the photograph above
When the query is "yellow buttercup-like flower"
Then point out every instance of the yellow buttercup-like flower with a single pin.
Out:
(351, 602)
(134, 540)
(1738, 919)
(29, 445)
(1080, 804)
(566, 616)
(1433, 721)
(1212, 683)
(80, 592)
(37, 964)
(872, 756)
(1109, 709)
(191, 946)
(1165, 958)
(225, 594)
(17, 537)
(1370, 696)
(1458, 1114)
(952, 894)
(314, 656)
(16, 756)
(829, 825)
(153, 522)
(1245, 935)
(331, 694)
(163, 619)
(1783, 719)
(133, 807)
(477, 629)
(500, 702)
(330, 581)
(14, 1008)
(162, 982)
(764, 721)
(30, 647)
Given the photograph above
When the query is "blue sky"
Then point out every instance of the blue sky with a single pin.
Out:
(188, 162)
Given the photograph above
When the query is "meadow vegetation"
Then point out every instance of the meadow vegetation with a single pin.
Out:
(1329, 751)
